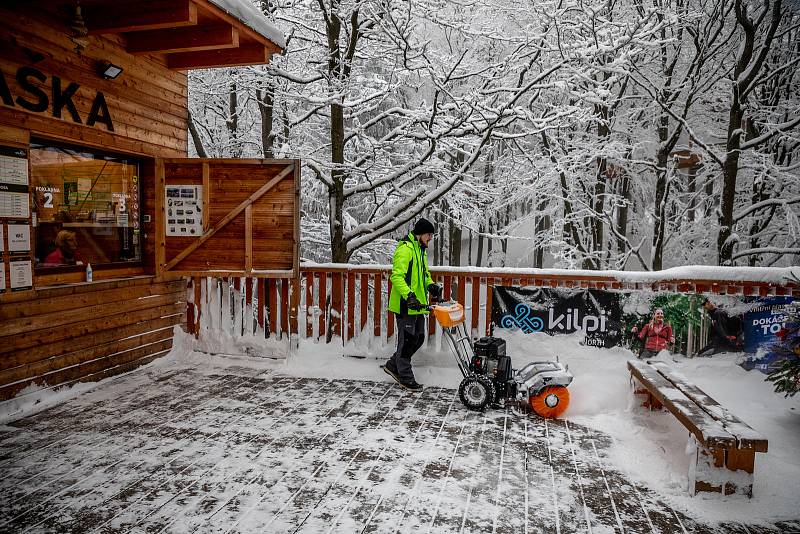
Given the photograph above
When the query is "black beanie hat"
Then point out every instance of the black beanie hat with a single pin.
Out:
(424, 226)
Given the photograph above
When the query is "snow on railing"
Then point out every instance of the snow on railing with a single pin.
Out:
(348, 301)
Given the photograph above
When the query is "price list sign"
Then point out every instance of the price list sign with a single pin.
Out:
(14, 198)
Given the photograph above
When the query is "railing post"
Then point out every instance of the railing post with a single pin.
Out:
(351, 305)
(337, 298)
(261, 285)
(476, 304)
(285, 307)
(489, 296)
(273, 306)
(198, 301)
(294, 305)
(377, 308)
(323, 304)
(309, 277)
(364, 288)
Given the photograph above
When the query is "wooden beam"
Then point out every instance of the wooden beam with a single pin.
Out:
(132, 17)
(206, 194)
(248, 238)
(189, 39)
(229, 217)
(161, 216)
(244, 55)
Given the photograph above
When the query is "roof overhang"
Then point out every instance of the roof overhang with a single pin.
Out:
(189, 34)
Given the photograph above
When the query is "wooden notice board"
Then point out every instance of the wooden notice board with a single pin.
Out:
(228, 217)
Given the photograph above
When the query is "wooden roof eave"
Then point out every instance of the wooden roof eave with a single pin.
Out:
(189, 34)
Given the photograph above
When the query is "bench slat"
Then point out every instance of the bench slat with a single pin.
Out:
(747, 437)
(705, 428)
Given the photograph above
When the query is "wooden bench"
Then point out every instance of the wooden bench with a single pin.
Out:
(724, 458)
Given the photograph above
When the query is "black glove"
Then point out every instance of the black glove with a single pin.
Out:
(412, 302)
(436, 291)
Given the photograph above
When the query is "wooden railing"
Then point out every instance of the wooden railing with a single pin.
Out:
(346, 301)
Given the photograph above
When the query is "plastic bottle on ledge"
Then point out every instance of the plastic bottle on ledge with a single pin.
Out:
(88, 272)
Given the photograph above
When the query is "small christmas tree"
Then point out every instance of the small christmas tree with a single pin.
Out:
(787, 376)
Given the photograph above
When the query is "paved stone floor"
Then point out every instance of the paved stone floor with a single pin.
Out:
(247, 451)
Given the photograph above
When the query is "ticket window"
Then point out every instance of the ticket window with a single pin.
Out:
(86, 207)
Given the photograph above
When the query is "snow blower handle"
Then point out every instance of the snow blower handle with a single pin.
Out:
(435, 291)
(413, 303)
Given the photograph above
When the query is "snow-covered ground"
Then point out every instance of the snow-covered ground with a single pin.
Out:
(648, 447)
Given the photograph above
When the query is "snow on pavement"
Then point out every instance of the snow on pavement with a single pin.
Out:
(647, 448)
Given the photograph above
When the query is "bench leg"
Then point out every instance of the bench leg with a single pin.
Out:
(742, 464)
(651, 403)
(705, 473)
(722, 471)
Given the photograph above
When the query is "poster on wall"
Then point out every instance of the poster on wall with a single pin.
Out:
(14, 201)
(184, 204)
(19, 238)
(21, 275)
(13, 166)
(560, 311)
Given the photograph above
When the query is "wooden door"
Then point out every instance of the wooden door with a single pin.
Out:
(228, 217)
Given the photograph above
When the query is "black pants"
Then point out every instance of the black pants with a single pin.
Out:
(410, 337)
(716, 346)
(647, 353)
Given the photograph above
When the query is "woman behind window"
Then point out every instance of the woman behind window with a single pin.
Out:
(66, 252)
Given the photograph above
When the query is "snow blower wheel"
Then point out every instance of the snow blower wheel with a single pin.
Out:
(551, 402)
(476, 392)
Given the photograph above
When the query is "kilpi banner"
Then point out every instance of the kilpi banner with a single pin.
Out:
(560, 311)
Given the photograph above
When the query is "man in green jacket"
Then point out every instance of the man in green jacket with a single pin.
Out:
(411, 283)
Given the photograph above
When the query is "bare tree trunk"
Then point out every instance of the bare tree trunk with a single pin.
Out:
(622, 211)
(489, 241)
(336, 190)
(749, 63)
(599, 195)
(196, 139)
(660, 206)
(469, 249)
(479, 259)
(455, 244)
(542, 225)
(233, 121)
(266, 102)
(692, 189)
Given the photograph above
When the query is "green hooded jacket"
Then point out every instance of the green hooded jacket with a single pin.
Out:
(409, 273)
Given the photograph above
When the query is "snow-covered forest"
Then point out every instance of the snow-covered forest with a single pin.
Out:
(555, 133)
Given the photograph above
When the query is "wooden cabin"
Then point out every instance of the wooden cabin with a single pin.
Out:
(94, 171)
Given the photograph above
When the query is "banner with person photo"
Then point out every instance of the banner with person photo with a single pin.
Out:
(605, 317)
(560, 311)
(763, 322)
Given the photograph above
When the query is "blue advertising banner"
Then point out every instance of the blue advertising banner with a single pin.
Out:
(762, 322)
(765, 319)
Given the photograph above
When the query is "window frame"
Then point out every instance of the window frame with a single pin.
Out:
(42, 143)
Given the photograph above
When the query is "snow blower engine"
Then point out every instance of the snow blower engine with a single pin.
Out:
(489, 377)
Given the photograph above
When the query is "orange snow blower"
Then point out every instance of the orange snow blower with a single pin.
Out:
(488, 376)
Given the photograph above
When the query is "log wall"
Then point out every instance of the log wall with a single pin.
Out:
(51, 89)
(147, 103)
(86, 331)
